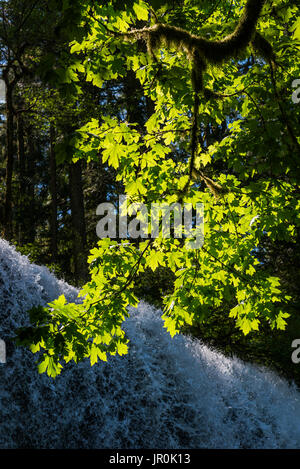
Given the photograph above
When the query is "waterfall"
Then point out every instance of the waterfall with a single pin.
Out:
(166, 393)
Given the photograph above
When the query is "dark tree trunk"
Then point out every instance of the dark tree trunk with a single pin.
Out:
(78, 223)
(30, 204)
(9, 159)
(133, 92)
(22, 181)
(53, 192)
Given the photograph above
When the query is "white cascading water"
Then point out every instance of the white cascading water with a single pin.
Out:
(166, 393)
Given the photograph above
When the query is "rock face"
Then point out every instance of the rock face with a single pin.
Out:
(166, 393)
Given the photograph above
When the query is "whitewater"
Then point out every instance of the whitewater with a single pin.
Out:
(166, 393)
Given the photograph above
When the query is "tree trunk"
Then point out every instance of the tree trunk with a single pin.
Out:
(9, 160)
(133, 92)
(78, 223)
(30, 205)
(53, 193)
(22, 182)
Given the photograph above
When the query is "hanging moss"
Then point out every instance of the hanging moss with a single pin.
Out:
(201, 52)
(264, 48)
(194, 46)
